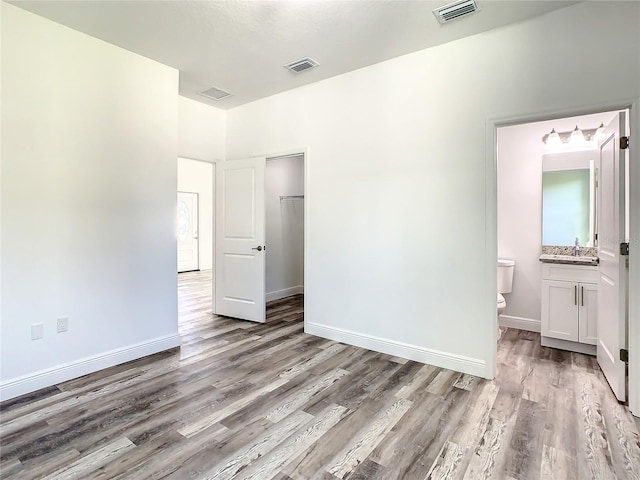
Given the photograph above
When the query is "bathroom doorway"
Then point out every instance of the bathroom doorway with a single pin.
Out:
(524, 153)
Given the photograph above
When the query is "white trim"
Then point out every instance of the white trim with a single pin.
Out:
(51, 376)
(214, 205)
(290, 152)
(634, 259)
(213, 160)
(284, 293)
(459, 363)
(520, 323)
(488, 313)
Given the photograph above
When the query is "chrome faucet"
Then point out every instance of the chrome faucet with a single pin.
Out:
(576, 250)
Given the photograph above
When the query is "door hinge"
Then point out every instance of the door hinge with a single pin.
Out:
(624, 355)
(624, 249)
(624, 143)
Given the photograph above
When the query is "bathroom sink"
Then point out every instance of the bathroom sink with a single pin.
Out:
(569, 259)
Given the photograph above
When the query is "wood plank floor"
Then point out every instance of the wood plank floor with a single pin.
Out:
(248, 401)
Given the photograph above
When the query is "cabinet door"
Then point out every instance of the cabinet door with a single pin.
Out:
(560, 310)
(588, 316)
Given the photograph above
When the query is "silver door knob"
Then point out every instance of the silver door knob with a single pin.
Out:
(259, 248)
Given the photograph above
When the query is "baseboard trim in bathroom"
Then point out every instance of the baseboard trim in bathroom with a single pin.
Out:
(519, 323)
(451, 361)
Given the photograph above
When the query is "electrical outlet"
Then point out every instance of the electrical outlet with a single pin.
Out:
(63, 324)
(37, 331)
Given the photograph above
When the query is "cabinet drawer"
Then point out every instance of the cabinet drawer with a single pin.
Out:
(570, 273)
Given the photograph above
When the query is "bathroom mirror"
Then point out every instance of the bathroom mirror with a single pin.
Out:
(568, 198)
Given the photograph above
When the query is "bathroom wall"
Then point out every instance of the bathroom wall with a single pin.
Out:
(520, 150)
(284, 227)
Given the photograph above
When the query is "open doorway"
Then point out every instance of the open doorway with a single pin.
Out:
(547, 224)
(284, 226)
(194, 238)
(260, 233)
(284, 207)
(194, 215)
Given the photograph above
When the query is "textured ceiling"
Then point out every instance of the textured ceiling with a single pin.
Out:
(240, 46)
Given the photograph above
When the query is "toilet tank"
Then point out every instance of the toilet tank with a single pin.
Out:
(505, 275)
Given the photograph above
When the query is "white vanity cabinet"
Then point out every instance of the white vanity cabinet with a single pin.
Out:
(569, 307)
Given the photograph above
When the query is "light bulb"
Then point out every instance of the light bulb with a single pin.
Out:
(577, 137)
(553, 139)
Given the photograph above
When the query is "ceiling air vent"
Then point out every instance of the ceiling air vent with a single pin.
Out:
(215, 94)
(455, 10)
(302, 65)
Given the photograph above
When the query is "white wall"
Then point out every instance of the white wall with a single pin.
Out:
(197, 177)
(88, 203)
(284, 227)
(201, 131)
(520, 151)
(201, 137)
(396, 186)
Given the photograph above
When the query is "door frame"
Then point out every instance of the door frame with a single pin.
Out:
(491, 225)
(304, 151)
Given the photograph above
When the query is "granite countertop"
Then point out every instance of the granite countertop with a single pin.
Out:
(569, 259)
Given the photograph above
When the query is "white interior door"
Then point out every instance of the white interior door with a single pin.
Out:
(240, 235)
(612, 275)
(187, 232)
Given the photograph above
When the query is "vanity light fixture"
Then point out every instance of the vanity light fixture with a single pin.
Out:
(575, 136)
(600, 131)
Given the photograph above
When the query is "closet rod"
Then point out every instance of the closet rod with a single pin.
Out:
(284, 197)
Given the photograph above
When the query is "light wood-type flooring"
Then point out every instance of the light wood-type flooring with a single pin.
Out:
(247, 401)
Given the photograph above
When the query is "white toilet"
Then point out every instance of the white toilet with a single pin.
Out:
(505, 283)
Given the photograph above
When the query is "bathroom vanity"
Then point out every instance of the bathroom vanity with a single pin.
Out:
(569, 258)
(569, 303)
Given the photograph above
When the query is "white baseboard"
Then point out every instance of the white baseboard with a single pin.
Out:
(61, 373)
(459, 363)
(519, 323)
(284, 293)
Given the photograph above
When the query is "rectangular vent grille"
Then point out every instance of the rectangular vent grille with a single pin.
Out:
(215, 94)
(302, 65)
(455, 10)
